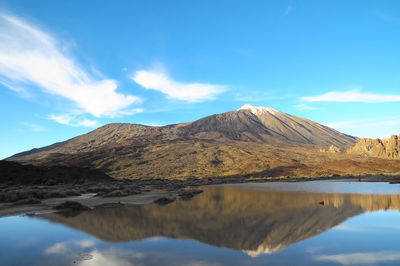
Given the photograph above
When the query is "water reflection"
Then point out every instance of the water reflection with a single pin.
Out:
(256, 222)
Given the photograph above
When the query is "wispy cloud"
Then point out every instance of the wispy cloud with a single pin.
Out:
(32, 58)
(288, 10)
(387, 17)
(57, 248)
(257, 96)
(314, 249)
(190, 92)
(360, 258)
(364, 123)
(346, 124)
(69, 246)
(343, 227)
(133, 111)
(113, 257)
(22, 92)
(85, 243)
(33, 127)
(303, 107)
(74, 121)
(352, 96)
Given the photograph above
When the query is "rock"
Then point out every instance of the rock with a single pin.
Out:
(27, 201)
(9, 197)
(164, 201)
(116, 193)
(109, 205)
(55, 194)
(73, 193)
(71, 205)
(383, 148)
(188, 194)
(332, 149)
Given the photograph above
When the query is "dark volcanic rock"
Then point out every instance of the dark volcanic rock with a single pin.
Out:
(27, 201)
(164, 201)
(71, 205)
(188, 194)
(115, 193)
(13, 173)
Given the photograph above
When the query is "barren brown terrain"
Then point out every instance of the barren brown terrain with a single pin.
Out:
(252, 141)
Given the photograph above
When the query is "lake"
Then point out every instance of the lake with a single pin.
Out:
(302, 223)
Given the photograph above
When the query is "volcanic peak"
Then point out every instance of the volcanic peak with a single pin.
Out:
(258, 110)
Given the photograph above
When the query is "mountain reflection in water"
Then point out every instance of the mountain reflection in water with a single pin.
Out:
(256, 222)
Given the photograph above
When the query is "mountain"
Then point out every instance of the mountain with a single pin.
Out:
(299, 130)
(251, 140)
(263, 124)
(382, 148)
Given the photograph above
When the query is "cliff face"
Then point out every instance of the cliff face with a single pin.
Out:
(383, 148)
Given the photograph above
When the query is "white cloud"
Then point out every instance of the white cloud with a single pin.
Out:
(85, 243)
(365, 123)
(19, 90)
(68, 247)
(133, 111)
(345, 124)
(387, 17)
(33, 127)
(343, 227)
(352, 96)
(303, 107)
(314, 249)
(71, 120)
(112, 257)
(29, 57)
(190, 92)
(288, 10)
(57, 248)
(360, 258)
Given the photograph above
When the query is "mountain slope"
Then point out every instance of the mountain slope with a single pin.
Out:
(249, 140)
(249, 123)
(300, 130)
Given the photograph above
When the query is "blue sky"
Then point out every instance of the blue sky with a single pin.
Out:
(67, 67)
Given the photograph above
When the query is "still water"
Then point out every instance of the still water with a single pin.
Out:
(312, 223)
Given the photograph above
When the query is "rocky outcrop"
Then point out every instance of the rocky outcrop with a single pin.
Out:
(382, 148)
(332, 149)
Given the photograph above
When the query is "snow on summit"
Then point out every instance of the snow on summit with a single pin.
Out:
(257, 110)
